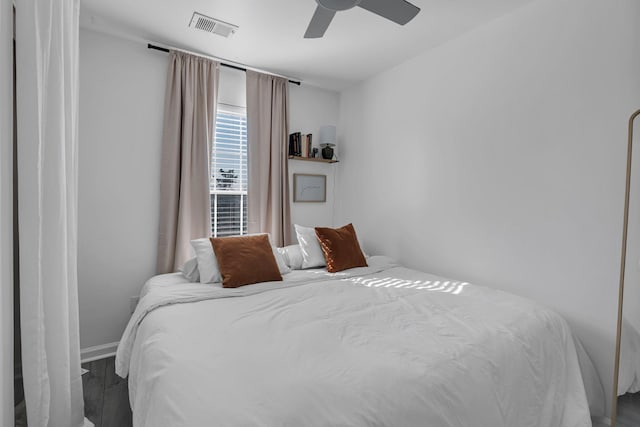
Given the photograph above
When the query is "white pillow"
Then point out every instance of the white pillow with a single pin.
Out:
(280, 260)
(208, 264)
(292, 255)
(312, 255)
(190, 270)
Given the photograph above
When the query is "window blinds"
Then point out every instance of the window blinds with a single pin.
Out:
(228, 182)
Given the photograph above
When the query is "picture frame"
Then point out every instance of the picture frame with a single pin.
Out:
(309, 188)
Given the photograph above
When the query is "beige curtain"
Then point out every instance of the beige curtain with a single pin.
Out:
(267, 137)
(189, 120)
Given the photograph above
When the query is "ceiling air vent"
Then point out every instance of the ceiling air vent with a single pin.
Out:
(210, 25)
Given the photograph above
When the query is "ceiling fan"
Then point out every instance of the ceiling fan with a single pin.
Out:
(398, 11)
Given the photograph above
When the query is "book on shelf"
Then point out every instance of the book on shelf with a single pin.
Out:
(292, 149)
(295, 144)
(305, 146)
(300, 145)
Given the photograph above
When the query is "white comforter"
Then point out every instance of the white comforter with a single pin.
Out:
(376, 346)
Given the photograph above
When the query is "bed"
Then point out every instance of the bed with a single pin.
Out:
(381, 345)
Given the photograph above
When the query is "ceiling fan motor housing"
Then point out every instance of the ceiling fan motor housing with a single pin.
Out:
(338, 5)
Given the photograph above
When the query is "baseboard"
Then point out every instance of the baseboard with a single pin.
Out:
(98, 352)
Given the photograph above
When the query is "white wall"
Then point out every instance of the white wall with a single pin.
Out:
(6, 212)
(122, 86)
(499, 158)
(631, 298)
(312, 108)
(232, 88)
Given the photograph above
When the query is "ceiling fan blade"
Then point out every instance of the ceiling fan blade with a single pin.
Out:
(398, 11)
(319, 23)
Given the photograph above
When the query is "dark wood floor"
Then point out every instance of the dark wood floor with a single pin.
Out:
(106, 396)
(628, 410)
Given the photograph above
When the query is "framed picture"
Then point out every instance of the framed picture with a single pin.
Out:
(309, 188)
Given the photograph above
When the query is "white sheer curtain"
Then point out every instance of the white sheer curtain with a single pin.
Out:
(6, 213)
(47, 112)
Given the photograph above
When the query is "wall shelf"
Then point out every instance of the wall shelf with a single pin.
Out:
(313, 159)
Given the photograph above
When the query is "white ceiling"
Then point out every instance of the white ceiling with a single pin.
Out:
(358, 44)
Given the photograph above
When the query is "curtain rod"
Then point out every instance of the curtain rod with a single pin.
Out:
(235, 67)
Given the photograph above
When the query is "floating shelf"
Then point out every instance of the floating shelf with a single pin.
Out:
(313, 159)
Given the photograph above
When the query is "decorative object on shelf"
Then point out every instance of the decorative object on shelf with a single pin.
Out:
(314, 152)
(327, 150)
(309, 188)
(327, 141)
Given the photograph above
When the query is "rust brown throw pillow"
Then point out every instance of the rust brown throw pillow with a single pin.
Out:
(245, 260)
(340, 247)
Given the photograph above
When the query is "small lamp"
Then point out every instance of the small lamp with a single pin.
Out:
(327, 141)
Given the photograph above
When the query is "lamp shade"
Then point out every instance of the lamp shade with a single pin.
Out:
(328, 135)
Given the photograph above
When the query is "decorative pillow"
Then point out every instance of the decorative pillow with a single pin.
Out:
(208, 270)
(190, 270)
(341, 248)
(280, 260)
(245, 260)
(311, 252)
(207, 263)
(292, 255)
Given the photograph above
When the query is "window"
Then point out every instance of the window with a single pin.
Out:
(228, 184)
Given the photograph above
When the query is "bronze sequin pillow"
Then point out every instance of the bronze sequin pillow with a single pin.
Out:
(340, 247)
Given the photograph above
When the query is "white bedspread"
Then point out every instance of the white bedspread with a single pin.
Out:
(376, 346)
